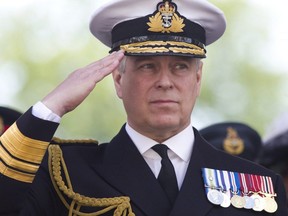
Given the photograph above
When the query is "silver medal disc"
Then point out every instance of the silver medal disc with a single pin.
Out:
(215, 197)
(258, 202)
(226, 201)
(249, 202)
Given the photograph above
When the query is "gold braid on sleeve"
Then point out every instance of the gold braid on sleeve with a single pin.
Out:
(20, 156)
(121, 205)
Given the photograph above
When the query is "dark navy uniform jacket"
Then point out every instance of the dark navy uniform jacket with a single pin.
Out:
(117, 169)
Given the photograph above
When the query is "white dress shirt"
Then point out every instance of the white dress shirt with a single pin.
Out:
(180, 151)
(39, 110)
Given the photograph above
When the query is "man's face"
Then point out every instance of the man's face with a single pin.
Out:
(159, 93)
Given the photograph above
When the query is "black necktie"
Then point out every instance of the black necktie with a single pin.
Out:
(167, 177)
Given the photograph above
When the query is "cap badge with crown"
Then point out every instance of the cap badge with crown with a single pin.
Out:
(166, 19)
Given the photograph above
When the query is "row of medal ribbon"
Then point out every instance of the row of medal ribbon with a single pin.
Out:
(240, 190)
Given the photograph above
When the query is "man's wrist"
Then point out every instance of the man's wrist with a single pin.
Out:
(41, 111)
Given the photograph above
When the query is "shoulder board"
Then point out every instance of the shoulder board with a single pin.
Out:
(59, 141)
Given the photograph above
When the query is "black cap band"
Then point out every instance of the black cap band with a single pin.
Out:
(165, 31)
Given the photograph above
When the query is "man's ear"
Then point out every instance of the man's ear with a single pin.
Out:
(199, 71)
(199, 77)
(117, 77)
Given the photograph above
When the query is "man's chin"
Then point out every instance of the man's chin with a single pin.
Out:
(166, 125)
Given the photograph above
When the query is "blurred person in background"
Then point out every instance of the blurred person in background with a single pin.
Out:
(234, 138)
(275, 150)
(7, 117)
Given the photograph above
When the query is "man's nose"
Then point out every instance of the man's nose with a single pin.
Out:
(164, 79)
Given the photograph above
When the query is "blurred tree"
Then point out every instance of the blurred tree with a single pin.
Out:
(43, 43)
(238, 85)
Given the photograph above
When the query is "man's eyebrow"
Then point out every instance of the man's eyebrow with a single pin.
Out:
(185, 58)
(139, 59)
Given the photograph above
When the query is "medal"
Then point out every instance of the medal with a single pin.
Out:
(215, 197)
(227, 195)
(258, 202)
(226, 201)
(224, 184)
(246, 184)
(270, 204)
(238, 201)
(212, 187)
(249, 202)
(212, 184)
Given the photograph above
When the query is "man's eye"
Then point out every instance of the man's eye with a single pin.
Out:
(147, 66)
(180, 66)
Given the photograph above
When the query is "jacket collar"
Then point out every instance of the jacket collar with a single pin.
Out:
(124, 168)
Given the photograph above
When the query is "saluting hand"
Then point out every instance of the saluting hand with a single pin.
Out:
(78, 85)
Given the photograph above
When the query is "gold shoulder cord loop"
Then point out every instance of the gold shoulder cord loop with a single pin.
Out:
(56, 162)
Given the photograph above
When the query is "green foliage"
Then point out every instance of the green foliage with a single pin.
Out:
(238, 84)
(42, 45)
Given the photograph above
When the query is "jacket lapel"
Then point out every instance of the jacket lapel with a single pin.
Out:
(192, 196)
(124, 168)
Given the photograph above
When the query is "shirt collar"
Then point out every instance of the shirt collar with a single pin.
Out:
(181, 144)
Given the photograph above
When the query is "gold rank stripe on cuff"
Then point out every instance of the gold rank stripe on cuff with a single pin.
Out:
(22, 147)
(17, 175)
(20, 156)
(19, 165)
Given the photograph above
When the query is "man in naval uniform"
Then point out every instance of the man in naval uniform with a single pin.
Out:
(158, 164)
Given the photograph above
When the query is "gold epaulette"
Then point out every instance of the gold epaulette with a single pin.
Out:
(120, 205)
